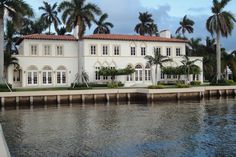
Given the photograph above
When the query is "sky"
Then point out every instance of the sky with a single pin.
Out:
(166, 13)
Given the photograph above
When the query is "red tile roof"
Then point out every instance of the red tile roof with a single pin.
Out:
(132, 38)
(47, 37)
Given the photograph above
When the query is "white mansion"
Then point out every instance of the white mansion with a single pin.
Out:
(55, 61)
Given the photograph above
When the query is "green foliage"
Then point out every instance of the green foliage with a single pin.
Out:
(181, 85)
(103, 27)
(159, 86)
(230, 82)
(115, 85)
(108, 71)
(4, 88)
(195, 83)
(83, 85)
(223, 82)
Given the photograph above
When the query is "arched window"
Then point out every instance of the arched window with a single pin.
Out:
(138, 73)
(147, 73)
(32, 75)
(47, 75)
(61, 75)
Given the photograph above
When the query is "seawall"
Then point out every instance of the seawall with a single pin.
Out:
(102, 96)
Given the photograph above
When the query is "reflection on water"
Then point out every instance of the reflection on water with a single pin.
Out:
(182, 129)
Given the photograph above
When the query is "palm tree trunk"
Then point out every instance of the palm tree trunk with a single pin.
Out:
(49, 29)
(156, 75)
(218, 57)
(1, 48)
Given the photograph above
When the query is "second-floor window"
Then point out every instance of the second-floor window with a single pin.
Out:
(93, 50)
(168, 51)
(105, 50)
(47, 50)
(143, 51)
(59, 50)
(157, 50)
(178, 52)
(116, 50)
(34, 50)
(133, 53)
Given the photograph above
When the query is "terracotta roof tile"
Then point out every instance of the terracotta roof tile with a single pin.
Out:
(133, 38)
(47, 37)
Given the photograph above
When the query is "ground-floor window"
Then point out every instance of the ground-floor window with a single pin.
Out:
(147, 73)
(138, 73)
(162, 75)
(47, 77)
(61, 77)
(32, 78)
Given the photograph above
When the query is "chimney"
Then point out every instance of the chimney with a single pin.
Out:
(76, 31)
(165, 34)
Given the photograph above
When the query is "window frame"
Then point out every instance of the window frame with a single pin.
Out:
(50, 50)
(114, 50)
(37, 50)
(62, 46)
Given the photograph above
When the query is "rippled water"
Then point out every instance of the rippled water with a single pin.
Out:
(173, 130)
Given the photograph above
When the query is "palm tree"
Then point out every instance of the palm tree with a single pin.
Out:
(220, 23)
(16, 9)
(158, 59)
(77, 13)
(36, 26)
(143, 27)
(186, 25)
(188, 64)
(153, 29)
(102, 25)
(61, 31)
(194, 43)
(50, 15)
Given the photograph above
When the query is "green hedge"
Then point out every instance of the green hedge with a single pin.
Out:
(180, 85)
(195, 83)
(156, 87)
(4, 88)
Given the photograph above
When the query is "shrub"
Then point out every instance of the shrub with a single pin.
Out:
(113, 85)
(195, 83)
(230, 82)
(180, 85)
(156, 86)
(83, 85)
(223, 82)
(4, 88)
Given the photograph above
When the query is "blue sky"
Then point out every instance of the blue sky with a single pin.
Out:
(167, 14)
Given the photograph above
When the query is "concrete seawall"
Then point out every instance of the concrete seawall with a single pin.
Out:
(113, 95)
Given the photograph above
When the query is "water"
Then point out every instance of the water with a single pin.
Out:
(206, 129)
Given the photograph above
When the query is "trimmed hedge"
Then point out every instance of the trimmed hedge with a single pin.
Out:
(195, 83)
(156, 87)
(180, 85)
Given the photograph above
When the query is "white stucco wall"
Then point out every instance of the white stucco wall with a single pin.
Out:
(69, 60)
(125, 58)
(77, 58)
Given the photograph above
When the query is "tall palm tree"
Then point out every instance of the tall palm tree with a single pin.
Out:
(186, 25)
(16, 9)
(102, 25)
(220, 23)
(157, 60)
(188, 64)
(146, 20)
(78, 13)
(50, 15)
(153, 29)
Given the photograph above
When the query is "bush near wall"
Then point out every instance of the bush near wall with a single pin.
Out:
(156, 86)
(223, 82)
(4, 88)
(180, 85)
(115, 85)
(83, 85)
(195, 83)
